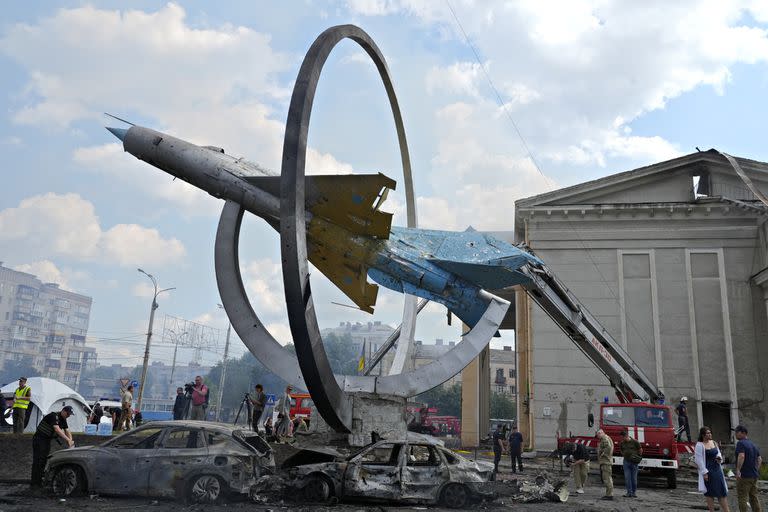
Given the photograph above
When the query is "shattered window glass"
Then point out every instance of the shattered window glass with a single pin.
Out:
(420, 455)
(385, 455)
(183, 439)
(450, 458)
(137, 440)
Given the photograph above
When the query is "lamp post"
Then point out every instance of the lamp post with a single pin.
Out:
(149, 334)
(223, 368)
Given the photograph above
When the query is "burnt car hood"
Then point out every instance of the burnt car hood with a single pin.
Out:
(312, 455)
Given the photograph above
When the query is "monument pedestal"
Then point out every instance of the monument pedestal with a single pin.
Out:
(371, 412)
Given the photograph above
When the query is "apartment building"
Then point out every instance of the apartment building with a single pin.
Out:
(44, 327)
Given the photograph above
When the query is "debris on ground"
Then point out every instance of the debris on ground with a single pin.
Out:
(541, 489)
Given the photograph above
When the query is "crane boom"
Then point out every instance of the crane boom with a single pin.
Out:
(629, 381)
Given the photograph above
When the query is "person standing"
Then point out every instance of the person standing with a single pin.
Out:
(21, 399)
(52, 425)
(199, 399)
(498, 446)
(516, 449)
(748, 462)
(283, 426)
(579, 465)
(632, 451)
(682, 419)
(179, 404)
(126, 406)
(96, 414)
(605, 460)
(711, 478)
(259, 401)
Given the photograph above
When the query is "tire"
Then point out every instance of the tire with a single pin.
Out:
(205, 489)
(68, 481)
(317, 490)
(455, 496)
(671, 479)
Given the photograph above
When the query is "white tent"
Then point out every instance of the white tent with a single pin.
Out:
(50, 395)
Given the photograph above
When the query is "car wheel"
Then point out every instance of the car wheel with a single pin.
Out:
(455, 496)
(317, 490)
(205, 489)
(68, 481)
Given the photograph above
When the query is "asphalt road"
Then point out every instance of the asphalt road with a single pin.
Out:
(652, 496)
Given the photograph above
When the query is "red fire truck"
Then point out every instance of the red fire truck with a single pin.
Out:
(640, 405)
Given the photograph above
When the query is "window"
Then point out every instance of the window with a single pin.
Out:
(618, 416)
(382, 455)
(216, 438)
(183, 439)
(138, 440)
(511, 373)
(421, 455)
(636, 416)
(450, 458)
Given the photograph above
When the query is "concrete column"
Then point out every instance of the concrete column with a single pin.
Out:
(524, 377)
(476, 399)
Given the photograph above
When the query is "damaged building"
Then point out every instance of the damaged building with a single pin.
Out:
(672, 259)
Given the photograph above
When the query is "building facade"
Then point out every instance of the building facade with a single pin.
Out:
(672, 260)
(370, 334)
(44, 327)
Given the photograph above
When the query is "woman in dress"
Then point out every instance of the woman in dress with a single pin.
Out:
(711, 478)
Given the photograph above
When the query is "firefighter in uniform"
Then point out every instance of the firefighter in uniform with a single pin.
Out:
(21, 398)
(52, 425)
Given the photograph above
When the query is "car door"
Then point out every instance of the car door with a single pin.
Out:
(375, 472)
(423, 472)
(182, 452)
(122, 466)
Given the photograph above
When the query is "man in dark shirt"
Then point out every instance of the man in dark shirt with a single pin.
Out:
(498, 447)
(52, 425)
(516, 449)
(96, 414)
(682, 419)
(179, 405)
(259, 401)
(748, 462)
(579, 464)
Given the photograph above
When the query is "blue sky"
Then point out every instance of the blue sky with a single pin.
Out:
(594, 87)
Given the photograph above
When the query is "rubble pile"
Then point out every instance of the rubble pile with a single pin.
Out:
(539, 490)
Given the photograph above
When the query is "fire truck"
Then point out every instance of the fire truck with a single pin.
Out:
(639, 407)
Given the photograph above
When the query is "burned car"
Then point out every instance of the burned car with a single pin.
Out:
(196, 461)
(415, 469)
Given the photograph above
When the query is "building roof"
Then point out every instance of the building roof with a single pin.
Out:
(687, 166)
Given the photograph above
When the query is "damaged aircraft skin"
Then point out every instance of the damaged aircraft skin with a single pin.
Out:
(416, 469)
(195, 461)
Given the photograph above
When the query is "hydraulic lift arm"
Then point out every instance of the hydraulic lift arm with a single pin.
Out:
(588, 334)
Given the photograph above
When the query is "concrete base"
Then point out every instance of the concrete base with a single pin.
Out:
(371, 412)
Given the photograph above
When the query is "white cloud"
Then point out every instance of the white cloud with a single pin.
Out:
(281, 332)
(67, 225)
(567, 72)
(143, 290)
(46, 271)
(264, 284)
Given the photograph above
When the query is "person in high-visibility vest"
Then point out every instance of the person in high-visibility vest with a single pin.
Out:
(21, 399)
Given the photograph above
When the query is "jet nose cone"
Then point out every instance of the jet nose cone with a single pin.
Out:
(118, 132)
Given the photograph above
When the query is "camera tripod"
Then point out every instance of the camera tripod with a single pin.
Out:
(246, 401)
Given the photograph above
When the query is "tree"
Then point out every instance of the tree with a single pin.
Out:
(502, 406)
(447, 400)
(12, 370)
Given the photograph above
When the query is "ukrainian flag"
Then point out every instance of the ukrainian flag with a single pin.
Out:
(361, 361)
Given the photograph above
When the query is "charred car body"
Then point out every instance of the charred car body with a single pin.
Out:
(416, 469)
(192, 460)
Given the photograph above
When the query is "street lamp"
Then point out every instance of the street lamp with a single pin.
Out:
(175, 350)
(149, 334)
(223, 366)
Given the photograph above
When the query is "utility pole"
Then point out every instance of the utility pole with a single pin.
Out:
(223, 368)
(149, 335)
(173, 365)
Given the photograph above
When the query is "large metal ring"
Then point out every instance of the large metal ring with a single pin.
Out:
(330, 400)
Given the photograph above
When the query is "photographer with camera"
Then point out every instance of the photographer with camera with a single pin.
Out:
(199, 399)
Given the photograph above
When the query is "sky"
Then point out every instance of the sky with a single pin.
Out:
(501, 101)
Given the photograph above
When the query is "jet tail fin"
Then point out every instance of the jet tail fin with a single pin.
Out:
(342, 205)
